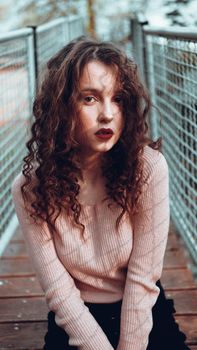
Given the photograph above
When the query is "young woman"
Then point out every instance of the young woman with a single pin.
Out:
(93, 205)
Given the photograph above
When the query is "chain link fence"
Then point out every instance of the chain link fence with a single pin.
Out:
(23, 55)
(15, 106)
(169, 62)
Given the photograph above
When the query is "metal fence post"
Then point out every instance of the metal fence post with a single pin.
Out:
(33, 60)
(32, 64)
(138, 43)
(152, 90)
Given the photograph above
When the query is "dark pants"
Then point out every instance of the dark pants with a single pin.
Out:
(165, 334)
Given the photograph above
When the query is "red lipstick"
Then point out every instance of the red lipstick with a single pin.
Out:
(104, 133)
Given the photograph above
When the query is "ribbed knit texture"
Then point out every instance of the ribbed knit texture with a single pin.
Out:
(110, 266)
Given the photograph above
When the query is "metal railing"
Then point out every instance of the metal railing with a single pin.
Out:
(169, 62)
(23, 55)
(17, 89)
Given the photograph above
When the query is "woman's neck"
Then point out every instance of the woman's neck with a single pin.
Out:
(91, 170)
(92, 184)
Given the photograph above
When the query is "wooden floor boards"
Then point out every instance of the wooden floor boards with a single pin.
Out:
(23, 310)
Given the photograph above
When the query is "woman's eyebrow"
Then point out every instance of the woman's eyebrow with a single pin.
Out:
(100, 91)
(89, 88)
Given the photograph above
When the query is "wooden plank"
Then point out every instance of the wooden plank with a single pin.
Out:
(34, 308)
(175, 259)
(178, 279)
(188, 324)
(185, 302)
(15, 249)
(172, 227)
(172, 243)
(23, 336)
(23, 309)
(18, 236)
(19, 287)
(15, 267)
(30, 335)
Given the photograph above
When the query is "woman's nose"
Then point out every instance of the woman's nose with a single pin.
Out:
(106, 113)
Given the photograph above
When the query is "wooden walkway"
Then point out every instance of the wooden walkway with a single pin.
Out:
(23, 310)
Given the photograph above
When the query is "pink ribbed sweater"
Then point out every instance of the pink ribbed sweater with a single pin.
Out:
(109, 266)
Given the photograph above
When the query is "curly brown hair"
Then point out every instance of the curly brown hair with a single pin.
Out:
(51, 167)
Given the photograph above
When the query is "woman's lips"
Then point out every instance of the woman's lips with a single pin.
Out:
(104, 133)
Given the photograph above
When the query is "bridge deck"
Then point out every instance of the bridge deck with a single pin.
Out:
(23, 309)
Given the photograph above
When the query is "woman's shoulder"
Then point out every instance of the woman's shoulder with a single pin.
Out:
(154, 161)
(16, 185)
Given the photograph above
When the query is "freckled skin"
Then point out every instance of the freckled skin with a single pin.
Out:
(99, 106)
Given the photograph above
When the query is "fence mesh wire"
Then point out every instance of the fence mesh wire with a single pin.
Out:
(172, 76)
(14, 112)
(49, 41)
(76, 27)
(51, 38)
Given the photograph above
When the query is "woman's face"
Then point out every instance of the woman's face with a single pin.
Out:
(99, 109)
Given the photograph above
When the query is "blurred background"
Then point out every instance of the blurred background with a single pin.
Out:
(15, 14)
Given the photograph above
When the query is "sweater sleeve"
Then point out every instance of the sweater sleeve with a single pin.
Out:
(150, 231)
(61, 293)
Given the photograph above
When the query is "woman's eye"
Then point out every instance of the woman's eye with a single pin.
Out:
(118, 99)
(89, 99)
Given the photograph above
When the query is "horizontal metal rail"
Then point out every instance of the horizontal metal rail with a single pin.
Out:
(51, 24)
(15, 34)
(174, 32)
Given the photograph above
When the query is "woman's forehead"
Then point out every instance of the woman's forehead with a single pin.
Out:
(99, 76)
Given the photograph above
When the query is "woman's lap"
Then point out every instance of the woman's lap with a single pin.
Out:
(165, 334)
(107, 315)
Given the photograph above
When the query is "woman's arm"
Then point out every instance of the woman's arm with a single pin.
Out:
(150, 233)
(61, 294)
